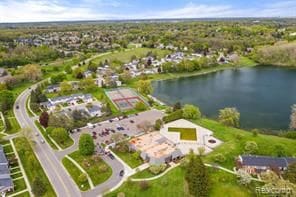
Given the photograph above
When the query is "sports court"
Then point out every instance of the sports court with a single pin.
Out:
(124, 98)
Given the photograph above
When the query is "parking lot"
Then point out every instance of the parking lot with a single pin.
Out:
(103, 131)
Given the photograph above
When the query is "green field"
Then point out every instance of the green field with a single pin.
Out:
(31, 164)
(235, 139)
(185, 133)
(75, 173)
(125, 56)
(12, 125)
(98, 171)
(128, 158)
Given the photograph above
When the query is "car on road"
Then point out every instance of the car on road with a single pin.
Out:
(111, 156)
(121, 173)
(17, 107)
(36, 134)
(42, 141)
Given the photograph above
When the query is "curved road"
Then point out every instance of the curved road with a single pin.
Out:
(50, 160)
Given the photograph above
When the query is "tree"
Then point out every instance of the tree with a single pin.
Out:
(158, 124)
(293, 117)
(197, 177)
(32, 72)
(60, 135)
(66, 87)
(191, 112)
(82, 178)
(156, 169)
(87, 84)
(58, 78)
(86, 144)
(177, 106)
(144, 87)
(229, 117)
(38, 187)
(6, 100)
(126, 76)
(43, 119)
(290, 173)
(251, 147)
(58, 120)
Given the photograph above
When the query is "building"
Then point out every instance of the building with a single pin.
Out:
(155, 148)
(6, 183)
(53, 88)
(254, 164)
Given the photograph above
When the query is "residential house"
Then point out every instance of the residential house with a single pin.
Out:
(53, 88)
(254, 164)
(87, 74)
(6, 183)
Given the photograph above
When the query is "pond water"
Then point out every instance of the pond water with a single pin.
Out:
(263, 95)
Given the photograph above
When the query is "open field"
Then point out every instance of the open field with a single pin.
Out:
(128, 158)
(185, 133)
(97, 169)
(125, 56)
(31, 164)
(75, 173)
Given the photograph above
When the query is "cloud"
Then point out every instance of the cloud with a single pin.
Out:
(59, 10)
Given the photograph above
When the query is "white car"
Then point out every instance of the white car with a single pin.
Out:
(42, 141)
(36, 134)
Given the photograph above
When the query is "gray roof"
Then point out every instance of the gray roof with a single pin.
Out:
(94, 108)
(255, 160)
(2, 156)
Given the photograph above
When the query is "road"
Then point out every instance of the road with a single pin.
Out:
(60, 180)
(50, 160)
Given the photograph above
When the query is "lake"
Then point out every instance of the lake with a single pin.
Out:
(263, 95)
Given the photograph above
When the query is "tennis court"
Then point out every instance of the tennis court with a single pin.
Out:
(124, 98)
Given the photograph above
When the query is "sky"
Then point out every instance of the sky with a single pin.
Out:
(71, 10)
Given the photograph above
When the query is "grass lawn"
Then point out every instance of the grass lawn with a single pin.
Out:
(173, 184)
(128, 158)
(19, 185)
(25, 194)
(8, 149)
(27, 108)
(125, 56)
(31, 164)
(185, 133)
(75, 173)
(12, 125)
(98, 171)
(143, 174)
(235, 139)
(66, 144)
(45, 135)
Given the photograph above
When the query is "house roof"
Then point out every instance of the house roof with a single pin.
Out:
(255, 160)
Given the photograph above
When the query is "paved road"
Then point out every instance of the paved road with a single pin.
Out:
(50, 159)
(60, 180)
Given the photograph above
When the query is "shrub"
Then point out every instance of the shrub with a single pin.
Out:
(251, 147)
(158, 124)
(173, 116)
(103, 168)
(144, 185)
(220, 158)
(82, 178)
(157, 169)
(229, 117)
(191, 112)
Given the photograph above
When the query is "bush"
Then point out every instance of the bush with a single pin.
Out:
(158, 124)
(103, 168)
(251, 147)
(173, 116)
(220, 158)
(86, 144)
(82, 178)
(157, 169)
(229, 117)
(144, 185)
(140, 106)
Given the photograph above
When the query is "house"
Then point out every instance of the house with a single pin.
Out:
(254, 164)
(155, 148)
(87, 74)
(6, 183)
(95, 110)
(53, 88)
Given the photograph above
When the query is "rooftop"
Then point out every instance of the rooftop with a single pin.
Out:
(255, 160)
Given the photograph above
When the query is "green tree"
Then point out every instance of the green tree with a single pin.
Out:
(38, 187)
(60, 135)
(66, 87)
(191, 112)
(58, 120)
(144, 87)
(6, 100)
(197, 177)
(229, 117)
(158, 124)
(140, 106)
(86, 144)
(82, 178)
(251, 147)
(58, 78)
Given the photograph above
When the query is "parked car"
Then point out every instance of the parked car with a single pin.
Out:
(121, 173)
(17, 107)
(111, 156)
